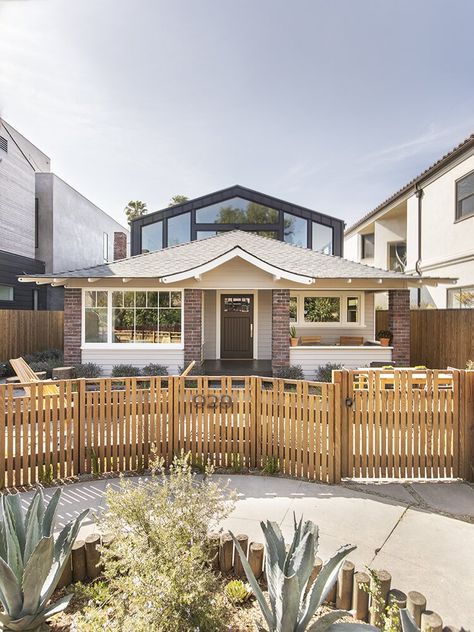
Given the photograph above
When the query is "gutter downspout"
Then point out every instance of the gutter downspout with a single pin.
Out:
(419, 195)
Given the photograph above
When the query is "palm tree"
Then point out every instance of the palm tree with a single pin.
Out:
(135, 208)
(178, 199)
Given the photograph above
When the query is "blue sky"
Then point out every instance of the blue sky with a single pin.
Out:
(331, 104)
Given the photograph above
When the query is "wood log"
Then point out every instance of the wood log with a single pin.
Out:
(450, 628)
(382, 587)
(226, 552)
(92, 543)
(345, 582)
(256, 550)
(79, 567)
(243, 540)
(360, 598)
(431, 622)
(397, 597)
(66, 575)
(214, 542)
(318, 564)
(416, 604)
(63, 373)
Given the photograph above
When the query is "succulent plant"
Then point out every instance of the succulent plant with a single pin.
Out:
(32, 560)
(292, 601)
(238, 592)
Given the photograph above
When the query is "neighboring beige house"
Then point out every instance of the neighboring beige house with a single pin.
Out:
(229, 300)
(426, 228)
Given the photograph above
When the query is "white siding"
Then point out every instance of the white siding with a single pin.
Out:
(264, 325)
(107, 358)
(210, 306)
(310, 358)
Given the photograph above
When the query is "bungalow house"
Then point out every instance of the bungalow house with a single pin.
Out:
(221, 280)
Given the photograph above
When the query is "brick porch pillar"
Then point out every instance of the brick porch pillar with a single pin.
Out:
(399, 325)
(72, 326)
(280, 329)
(192, 326)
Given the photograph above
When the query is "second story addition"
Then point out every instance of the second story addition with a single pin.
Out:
(237, 208)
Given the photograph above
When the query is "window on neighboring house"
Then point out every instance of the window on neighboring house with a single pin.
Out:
(237, 211)
(322, 238)
(152, 237)
(179, 229)
(461, 297)
(3, 143)
(36, 223)
(295, 230)
(293, 309)
(105, 247)
(322, 309)
(465, 196)
(95, 314)
(204, 234)
(368, 246)
(397, 256)
(35, 300)
(6, 293)
(146, 317)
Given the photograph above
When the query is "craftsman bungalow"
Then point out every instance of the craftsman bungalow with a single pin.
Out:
(221, 280)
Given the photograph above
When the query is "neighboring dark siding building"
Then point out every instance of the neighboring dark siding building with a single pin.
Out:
(237, 207)
(16, 295)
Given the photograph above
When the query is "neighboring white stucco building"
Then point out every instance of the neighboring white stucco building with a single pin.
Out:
(426, 227)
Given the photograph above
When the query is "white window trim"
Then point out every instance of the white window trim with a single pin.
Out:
(127, 345)
(343, 323)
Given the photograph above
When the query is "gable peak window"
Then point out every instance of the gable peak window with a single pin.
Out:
(368, 246)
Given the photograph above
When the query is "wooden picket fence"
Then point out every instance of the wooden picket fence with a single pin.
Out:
(367, 423)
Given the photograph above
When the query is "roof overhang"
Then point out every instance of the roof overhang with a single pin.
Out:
(277, 272)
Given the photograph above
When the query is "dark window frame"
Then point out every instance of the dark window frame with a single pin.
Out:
(457, 216)
(36, 223)
(282, 207)
(363, 247)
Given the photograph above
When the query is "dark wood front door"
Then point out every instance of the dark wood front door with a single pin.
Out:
(237, 326)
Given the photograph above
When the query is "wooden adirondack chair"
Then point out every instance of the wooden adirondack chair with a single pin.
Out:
(26, 374)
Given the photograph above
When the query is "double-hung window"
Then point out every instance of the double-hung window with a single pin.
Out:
(465, 196)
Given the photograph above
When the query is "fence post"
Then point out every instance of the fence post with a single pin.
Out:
(467, 424)
(337, 418)
(254, 435)
(80, 438)
(341, 380)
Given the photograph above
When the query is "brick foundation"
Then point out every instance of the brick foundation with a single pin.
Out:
(280, 329)
(120, 246)
(72, 326)
(192, 326)
(399, 325)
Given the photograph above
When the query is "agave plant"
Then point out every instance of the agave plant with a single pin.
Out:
(293, 602)
(31, 561)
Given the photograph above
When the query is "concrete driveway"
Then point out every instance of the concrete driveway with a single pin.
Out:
(422, 533)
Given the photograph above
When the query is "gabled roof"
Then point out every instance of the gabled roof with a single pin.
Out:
(196, 257)
(466, 144)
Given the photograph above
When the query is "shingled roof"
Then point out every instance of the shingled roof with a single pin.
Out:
(466, 144)
(188, 257)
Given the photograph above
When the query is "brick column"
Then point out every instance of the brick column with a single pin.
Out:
(399, 325)
(280, 328)
(120, 246)
(72, 326)
(192, 326)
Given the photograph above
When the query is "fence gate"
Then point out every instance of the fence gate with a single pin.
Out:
(403, 424)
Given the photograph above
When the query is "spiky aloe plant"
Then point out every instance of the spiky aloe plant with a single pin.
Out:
(292, 606)
(31, 561)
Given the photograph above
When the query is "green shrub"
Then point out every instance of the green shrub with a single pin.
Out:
(125, 370)
(154, 370)
(324, 372)
(294, 372)
(47, 355)
(40, 366)
(237, 592)
(6, 370)
(157, 568)
(470, 365)
(271, 465)
(88, 369)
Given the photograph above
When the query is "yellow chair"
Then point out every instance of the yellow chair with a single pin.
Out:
(26, 374)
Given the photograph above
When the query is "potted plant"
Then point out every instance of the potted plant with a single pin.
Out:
(294, 339)
(384, 336)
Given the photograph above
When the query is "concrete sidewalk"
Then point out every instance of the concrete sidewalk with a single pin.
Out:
(422, 533)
